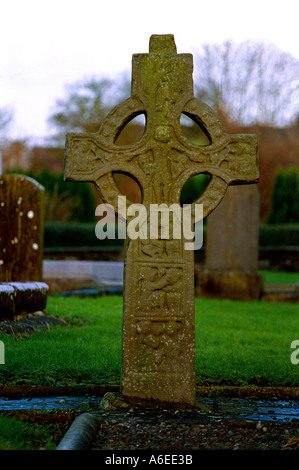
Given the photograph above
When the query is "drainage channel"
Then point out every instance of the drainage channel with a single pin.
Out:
(208, 409)
(80, 404)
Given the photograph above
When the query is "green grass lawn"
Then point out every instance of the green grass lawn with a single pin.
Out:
(18, 435)
(236, 342)
(280, 277)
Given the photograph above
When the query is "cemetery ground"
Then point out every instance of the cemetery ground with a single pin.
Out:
(243, 349)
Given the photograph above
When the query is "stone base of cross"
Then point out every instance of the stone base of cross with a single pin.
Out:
(158, 352)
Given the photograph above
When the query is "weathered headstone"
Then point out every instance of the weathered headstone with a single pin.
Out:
(21, 245)
(21, 229)
(231, 260)
(158, 321)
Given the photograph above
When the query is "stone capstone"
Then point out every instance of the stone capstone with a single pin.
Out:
(22, 297)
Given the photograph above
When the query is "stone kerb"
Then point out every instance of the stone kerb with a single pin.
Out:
(22, 297)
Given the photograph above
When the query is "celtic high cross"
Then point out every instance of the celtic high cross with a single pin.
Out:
(158, 352)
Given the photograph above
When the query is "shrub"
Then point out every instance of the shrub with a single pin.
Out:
(194, 187)
(279, 235)
(285, 197)
(58, 234)
(64, 201)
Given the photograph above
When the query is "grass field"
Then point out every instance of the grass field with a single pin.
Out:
(280, 277)
(18, 435)
(236, 343)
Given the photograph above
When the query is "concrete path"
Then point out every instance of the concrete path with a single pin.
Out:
(100, 273)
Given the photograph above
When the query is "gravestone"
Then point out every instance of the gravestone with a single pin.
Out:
(158, 352)
(21, 245)
(231, 260)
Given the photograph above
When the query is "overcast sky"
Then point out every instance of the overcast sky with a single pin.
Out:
(46, 44)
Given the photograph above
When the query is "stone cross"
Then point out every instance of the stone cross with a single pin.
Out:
(158, 356)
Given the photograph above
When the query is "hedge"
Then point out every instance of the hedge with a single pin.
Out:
(59, 235)
(80, 197)
(71, 235)
(279, 235)
(285, 197)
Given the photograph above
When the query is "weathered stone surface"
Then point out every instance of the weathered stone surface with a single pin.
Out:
(21, 246)
(232, 238)
(235, 285)
(7, 301)
(158, 324)
(21, 229)
(231, 261)
(110, 402)
(29, 296)
(22, 297)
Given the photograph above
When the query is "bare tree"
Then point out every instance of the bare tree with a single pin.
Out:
(6, 117)
(85, 106)
(248, 83)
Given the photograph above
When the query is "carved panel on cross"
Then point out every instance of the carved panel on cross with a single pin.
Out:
(160, 345)
(159, 291)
